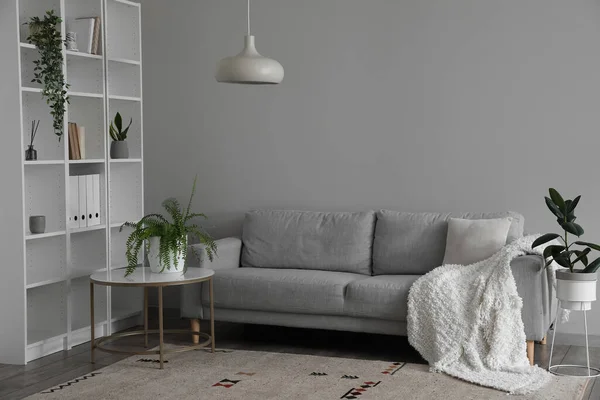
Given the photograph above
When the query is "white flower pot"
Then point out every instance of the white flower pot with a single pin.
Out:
(576, 291)
(155, 263)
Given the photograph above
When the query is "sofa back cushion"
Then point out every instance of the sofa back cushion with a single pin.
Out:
(329, 241)
(414, 243)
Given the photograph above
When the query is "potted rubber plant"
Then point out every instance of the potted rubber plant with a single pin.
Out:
(166, 241)
(118, 147)
(44, 33)
(576, 287)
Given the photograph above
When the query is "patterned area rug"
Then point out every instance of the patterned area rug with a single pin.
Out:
(237, 374)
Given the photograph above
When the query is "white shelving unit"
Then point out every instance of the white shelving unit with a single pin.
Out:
(44, 301)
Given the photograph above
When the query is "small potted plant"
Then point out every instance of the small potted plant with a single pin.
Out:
(166, 242)
(44, 33)
(576, 287)
(118, 147)
(31, 153)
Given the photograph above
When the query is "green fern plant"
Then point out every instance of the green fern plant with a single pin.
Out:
(173, 234)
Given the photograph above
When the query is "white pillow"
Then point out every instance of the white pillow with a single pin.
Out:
(473, 240)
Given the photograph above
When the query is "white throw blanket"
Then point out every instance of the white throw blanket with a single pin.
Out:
(466, 321)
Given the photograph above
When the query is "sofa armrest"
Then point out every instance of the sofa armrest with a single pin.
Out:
(228, 255)
(534, 287)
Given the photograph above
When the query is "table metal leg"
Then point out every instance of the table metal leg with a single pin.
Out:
(92, 342)
(160, 324)
(146, 317)
(556, 320)
(587, 346)
(212, 314)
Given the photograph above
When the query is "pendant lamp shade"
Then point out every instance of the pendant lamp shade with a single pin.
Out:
(249, 67)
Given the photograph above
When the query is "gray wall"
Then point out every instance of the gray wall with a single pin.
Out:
(430, 105)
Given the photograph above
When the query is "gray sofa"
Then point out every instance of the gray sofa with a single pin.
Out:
(343, 271)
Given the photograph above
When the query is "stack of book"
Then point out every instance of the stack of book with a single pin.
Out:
(76, 142)
(87, 31)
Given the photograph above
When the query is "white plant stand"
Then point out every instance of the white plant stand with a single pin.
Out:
(554, 368)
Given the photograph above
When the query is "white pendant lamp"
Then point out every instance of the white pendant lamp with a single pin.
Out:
(249, 67)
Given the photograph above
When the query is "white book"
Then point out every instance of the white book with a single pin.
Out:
(84, 29)
(97, 218)
(81, 133)
(73, 202)
(82, 201)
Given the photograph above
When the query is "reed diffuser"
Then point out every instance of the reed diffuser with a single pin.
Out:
(31, 153)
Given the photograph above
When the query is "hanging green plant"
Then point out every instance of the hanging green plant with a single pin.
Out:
(48, 71)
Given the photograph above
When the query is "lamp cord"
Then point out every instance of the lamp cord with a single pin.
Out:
(248, 19)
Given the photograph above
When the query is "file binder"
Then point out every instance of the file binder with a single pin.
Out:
(82, 201)
(73, 202)
(96, 210)
(89, 199)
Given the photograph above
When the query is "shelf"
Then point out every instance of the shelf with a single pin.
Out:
(124, 61)
(30, 236)
(44, 162)
(53, 284)
(88, 161)
(88, 229)
(127, 3)
(84, 94)
(126, 160)
(31, 89)
(83, 55)
(126, 98)
(44, 283)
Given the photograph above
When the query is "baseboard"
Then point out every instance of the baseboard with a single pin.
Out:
(574, 339)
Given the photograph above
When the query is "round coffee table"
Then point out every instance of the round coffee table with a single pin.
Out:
(142, 277)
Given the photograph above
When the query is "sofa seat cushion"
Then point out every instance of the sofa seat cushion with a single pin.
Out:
(381, 297)
(281, 290)
(327, 241)
(414, 243)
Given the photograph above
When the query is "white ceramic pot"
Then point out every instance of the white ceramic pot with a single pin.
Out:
(576, 291)
(155, 263)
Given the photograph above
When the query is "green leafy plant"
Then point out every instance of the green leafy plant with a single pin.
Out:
(564, 253)
(48, 70)
(173, 234)
(117, 133)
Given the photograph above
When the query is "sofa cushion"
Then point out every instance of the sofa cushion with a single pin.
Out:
(281, 290)
(329, 241)
(414, 243)
(382, 297)
(473, 240)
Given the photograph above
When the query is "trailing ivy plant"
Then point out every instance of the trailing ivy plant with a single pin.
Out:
(48, 70)
(173, 234)
(564, 253)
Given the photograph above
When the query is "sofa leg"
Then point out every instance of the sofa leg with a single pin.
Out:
(530, 351)
(543, 341)
(195, 326)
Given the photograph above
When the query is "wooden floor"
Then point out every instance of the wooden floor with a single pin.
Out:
(17, 382)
